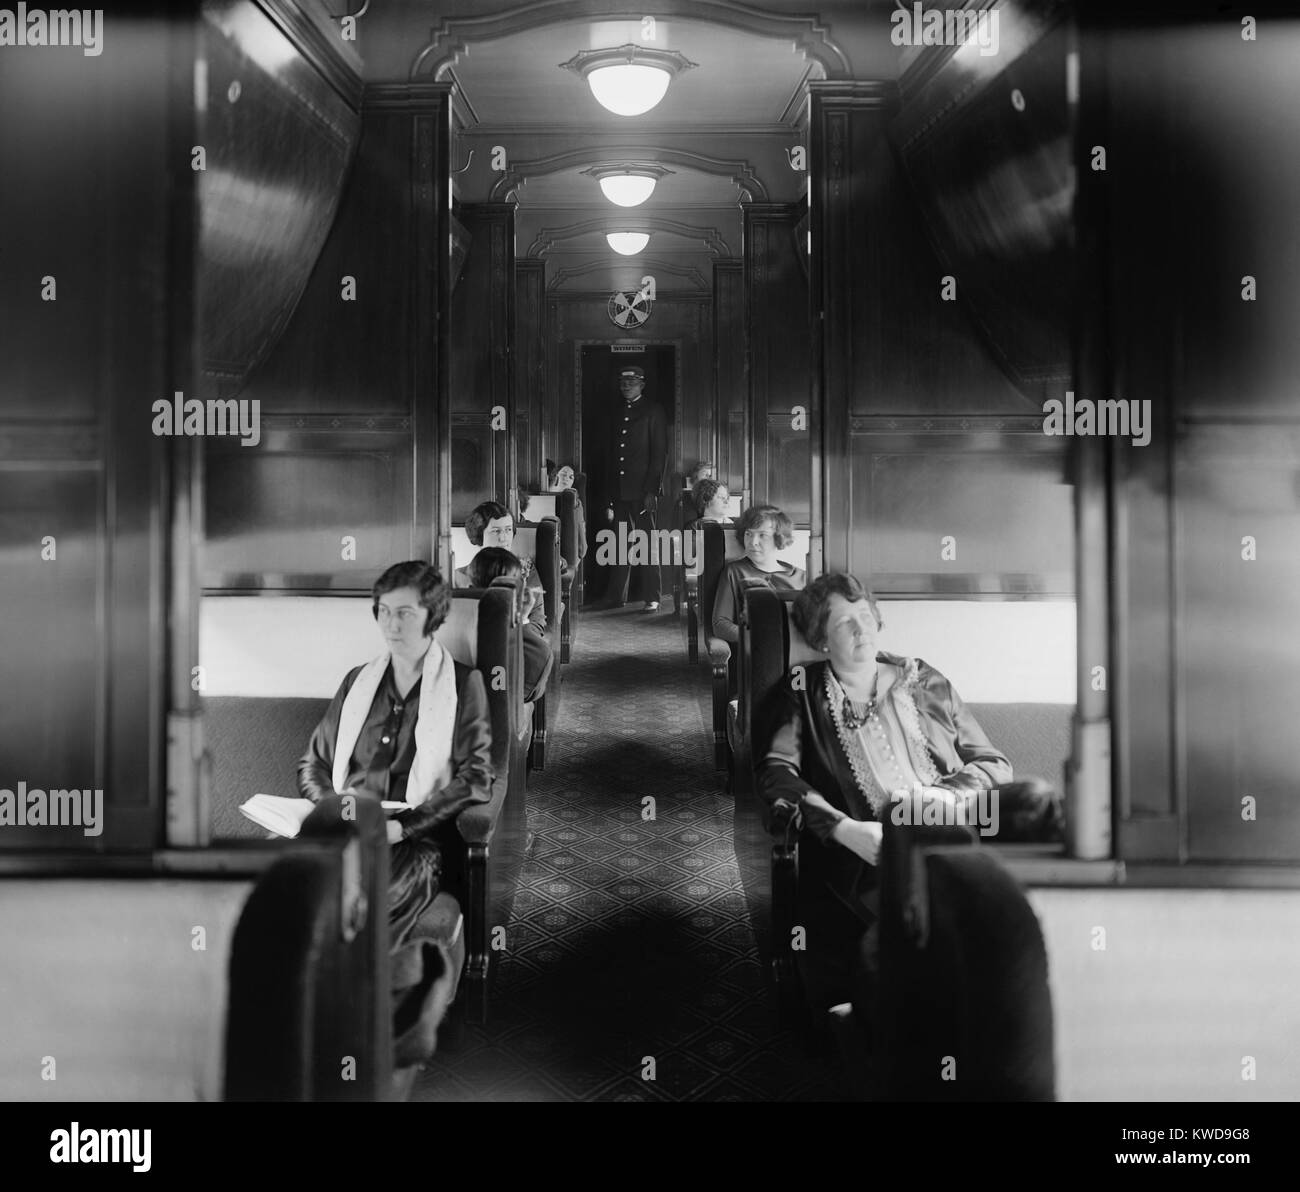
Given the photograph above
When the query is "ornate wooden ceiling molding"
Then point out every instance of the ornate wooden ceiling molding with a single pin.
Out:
(711, 238)
(654, 265)
(738, 171)
(454, 35)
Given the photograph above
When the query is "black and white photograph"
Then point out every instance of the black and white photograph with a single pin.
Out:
(734, 551)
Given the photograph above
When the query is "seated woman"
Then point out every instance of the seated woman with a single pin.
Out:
(558, 480)
(490, 524)
(412, 726)
(841, 739)
(489, 564)
(710, 498)
(762, 530)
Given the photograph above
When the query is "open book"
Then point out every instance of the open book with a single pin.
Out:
(284, 817)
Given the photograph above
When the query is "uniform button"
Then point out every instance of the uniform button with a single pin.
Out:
(626, 418)
(385, 740)
(622, 473)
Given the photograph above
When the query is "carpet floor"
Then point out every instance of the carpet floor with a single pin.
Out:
(631, 971)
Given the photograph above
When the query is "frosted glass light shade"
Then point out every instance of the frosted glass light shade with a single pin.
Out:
(627, 243)
(628, 190)
(629, 89)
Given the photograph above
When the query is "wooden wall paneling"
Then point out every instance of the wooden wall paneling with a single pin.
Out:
(358, 376)
(731, 381)
(534, 437)
(278, 126)
(780, 357)
(483, 355)
(995, 486)
(107, 208)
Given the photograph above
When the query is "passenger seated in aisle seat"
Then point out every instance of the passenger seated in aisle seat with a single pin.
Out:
(491, 563)
(762, 530)
(710, 498)
(491, 525)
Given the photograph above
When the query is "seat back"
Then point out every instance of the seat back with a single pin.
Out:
(309, 969)
(770, 644)
(483, 630)
(541, 541)
(963, 1009)
(720, 548)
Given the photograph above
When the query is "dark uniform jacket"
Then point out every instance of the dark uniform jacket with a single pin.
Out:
(641, 450)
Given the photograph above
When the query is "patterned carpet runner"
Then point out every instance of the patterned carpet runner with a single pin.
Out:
(630, 971)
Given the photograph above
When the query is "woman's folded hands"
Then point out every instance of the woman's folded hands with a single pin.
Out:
(858, 836)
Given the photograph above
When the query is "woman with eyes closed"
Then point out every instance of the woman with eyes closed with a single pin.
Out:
(762, 530)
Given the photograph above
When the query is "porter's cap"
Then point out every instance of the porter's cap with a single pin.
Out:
(634, 370)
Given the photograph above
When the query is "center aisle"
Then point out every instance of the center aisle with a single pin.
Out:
(630, 939)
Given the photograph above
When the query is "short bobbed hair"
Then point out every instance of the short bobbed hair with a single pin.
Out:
(753, 518)
(813, 605)
(553, 471)
(493, 562)
(435, 595)
(704, 492)
(477, 521)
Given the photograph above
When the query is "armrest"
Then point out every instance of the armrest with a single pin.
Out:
(477, 824)
(719, 650)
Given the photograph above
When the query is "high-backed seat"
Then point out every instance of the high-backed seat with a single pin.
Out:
(720, 548)
(563, 506)
(958, 1007)
(541, 541)
(255, 740)
(1035, 736)
(309, 968)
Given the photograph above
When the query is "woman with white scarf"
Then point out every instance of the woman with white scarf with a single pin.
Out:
(412, 726)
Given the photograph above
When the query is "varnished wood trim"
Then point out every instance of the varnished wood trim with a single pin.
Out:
(454, 35)
(336, 62)
(736, 170)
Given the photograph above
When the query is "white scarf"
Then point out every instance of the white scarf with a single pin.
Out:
(434, 727)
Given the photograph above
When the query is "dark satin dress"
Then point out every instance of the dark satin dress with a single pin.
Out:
(380, 765)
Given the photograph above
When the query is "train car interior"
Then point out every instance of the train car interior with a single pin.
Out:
(807, 490)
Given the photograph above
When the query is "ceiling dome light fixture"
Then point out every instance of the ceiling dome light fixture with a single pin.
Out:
(630, 79)
(627, 243)
(627, 185)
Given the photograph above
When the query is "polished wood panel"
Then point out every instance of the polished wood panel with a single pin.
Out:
(780, 356)
(107, 210)
(279, 140)
(731, 379)
(998, 494)
(1200, 674)
(532, 444)
(988, 157)
(482, 358)
(308, 509)
(359, 380)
